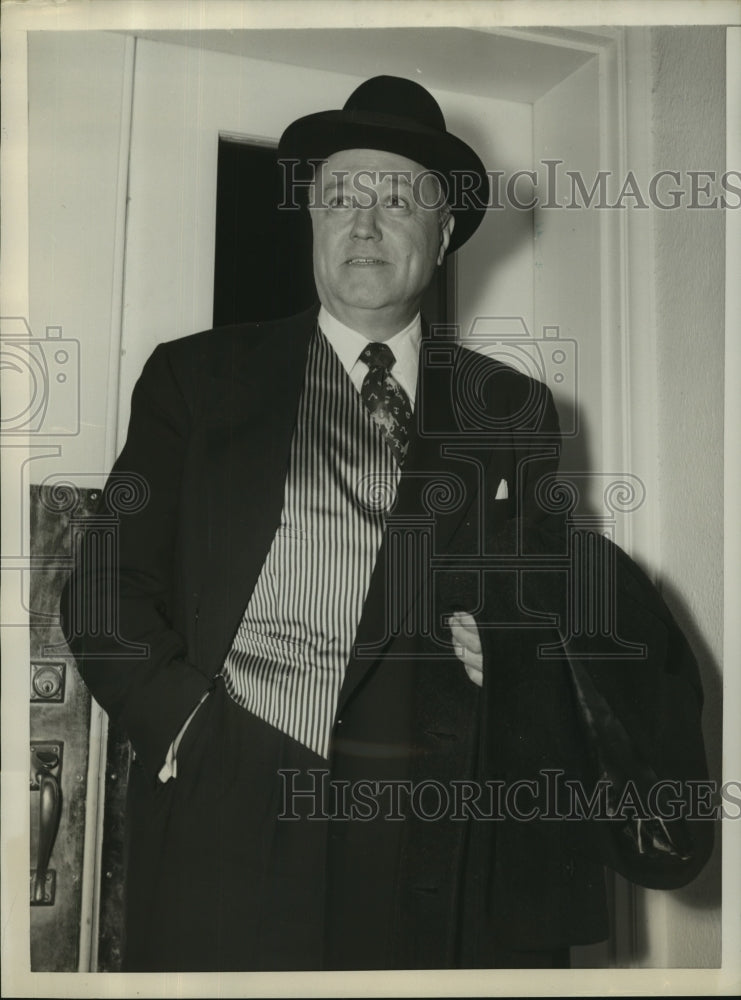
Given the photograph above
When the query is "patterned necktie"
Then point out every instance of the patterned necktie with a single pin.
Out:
(387, 402)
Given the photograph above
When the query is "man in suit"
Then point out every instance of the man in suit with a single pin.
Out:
(284, 661)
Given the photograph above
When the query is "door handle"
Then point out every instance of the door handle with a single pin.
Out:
(46, 760)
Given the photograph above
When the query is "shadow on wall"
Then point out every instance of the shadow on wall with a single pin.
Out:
(705, 892)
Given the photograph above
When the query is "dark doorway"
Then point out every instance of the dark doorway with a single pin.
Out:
(263, 266)
(263, 255)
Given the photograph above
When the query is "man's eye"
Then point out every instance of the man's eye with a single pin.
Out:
(338, 201)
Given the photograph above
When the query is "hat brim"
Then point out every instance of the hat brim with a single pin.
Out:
(318, 136)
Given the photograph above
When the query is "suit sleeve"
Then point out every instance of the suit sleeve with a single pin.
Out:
(116, 609)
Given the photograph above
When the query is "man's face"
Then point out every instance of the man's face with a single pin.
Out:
(379, 233)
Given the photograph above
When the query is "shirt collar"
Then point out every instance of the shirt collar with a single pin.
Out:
(348, 344)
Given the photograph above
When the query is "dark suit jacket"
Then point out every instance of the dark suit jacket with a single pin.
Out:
(204, 465)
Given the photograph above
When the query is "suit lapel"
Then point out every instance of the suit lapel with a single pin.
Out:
(254, 397)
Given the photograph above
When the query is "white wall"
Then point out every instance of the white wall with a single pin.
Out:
(688, 133)
(76, 91)
(494, 269)
(567, 269)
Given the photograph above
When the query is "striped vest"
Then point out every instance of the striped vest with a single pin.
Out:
(289, 655)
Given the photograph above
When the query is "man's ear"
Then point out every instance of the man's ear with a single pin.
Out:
(446, 231)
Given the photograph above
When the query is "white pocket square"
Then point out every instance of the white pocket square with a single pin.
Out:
(502, 490)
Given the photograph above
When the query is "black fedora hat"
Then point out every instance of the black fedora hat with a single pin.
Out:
(398, 116)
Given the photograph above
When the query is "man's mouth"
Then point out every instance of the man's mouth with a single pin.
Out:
(364, 260)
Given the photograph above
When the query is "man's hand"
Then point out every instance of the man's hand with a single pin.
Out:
(467, 645)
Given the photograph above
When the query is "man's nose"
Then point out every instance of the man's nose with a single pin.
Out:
(365, 224)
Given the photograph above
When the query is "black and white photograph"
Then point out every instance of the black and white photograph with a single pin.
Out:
(370, 445)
